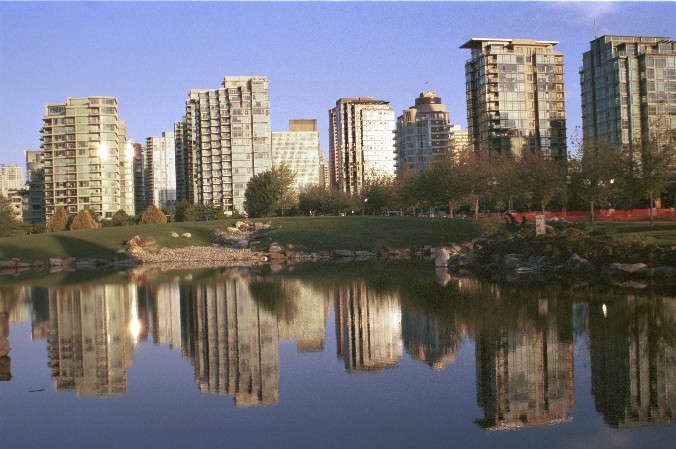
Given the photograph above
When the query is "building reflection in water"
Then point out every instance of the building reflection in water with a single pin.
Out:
(91, 335)
(368, 328)
(306, 322)
(524, 363)
(5, 362)
(235, 342)
(633, 360)
(430, 339)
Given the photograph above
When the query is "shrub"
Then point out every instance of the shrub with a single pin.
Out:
(58, 221)
(83, 220)
(153, 215)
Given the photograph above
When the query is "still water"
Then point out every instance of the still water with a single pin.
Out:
(360, 355)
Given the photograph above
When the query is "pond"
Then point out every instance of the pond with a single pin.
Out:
(357, 355)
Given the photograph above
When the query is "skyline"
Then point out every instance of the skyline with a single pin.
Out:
(149, 55)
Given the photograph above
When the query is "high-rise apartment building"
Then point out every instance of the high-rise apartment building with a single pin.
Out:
(628, 89)
(34, 196)
(423, 133)
(160, 171)
(299, 150)
(515, 97)
(361, 146)
(11, 178)
(225, 140)
(87, 162)
(139, 181)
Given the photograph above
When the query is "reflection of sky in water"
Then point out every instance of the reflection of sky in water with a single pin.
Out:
(423, 394)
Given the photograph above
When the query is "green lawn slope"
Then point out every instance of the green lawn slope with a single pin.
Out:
(309, 234)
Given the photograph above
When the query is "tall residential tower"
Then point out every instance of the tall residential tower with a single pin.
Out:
(224, 141)
(361, 145)
(87, 162)
(299, 150)
(515, 97)
(628, 89)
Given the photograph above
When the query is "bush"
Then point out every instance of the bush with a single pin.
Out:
(153, 215)
(58, 221)
(83, 220)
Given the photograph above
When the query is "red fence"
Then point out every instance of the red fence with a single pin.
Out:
(600, 215)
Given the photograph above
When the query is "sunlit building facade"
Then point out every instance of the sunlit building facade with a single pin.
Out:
(628, 89)
(225, 141)
(87, 161)
(423, 134)
(11, 178)
(299, 150)
(34, 193)
(515, 97)
(361, 145)
(160, 171)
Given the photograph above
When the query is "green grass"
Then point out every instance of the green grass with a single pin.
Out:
(305, 233)
(661, 234)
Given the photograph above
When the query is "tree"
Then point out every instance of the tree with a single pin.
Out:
(259, 197)
(540, 178)
(58, 221)
(595, 173)
(379, 195)
(83, 220)
(120, 218)
(650, 173)
(153, 215)
(9, 225)
(285, 197)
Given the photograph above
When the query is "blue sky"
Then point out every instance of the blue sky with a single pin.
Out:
(150, 54)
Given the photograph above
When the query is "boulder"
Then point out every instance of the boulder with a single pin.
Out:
(442, 257)
(232, 230)
(139, 241)
(174, 235)
(7, 264)
(628, 268)
(575, 262)
(342, 253)
(364, 254)
(186, 235)
(275, 248)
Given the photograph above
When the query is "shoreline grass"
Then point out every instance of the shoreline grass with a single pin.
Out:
(310, 234)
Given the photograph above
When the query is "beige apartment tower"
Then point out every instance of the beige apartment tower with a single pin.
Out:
(515, 97)
(87, 161)
(361, 142)
(224, 141)
(299, 150)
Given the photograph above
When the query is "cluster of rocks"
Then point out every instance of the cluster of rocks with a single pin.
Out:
(516, 267)
(59, 264)
(245, 234)
(288, 254)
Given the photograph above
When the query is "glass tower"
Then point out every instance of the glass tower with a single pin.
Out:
(515, 97)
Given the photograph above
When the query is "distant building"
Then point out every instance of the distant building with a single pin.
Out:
(87, 159)
(361, 146)
(139, 180)
(11, 178)
(299, 150)
(515, 97)
(34, 192)
(423, 134)
(159, 163)
(628, 89)
(324, 171)
(225, 141)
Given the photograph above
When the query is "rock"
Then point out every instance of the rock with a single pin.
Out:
(139, 241)
(7, 264)
(174, 235)
(664, 272)
(38, 263)
(442, 258)
(512, 261)
(233, 230)
(576, 262)
(24, 264)
(342, 253)
(240, 224)
(276, 257)
(629, 268)
(364, 254)
(55, 261)
(186, 235)
(275, 248)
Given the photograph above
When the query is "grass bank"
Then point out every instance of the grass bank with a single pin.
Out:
(309, 234)
(661, 234)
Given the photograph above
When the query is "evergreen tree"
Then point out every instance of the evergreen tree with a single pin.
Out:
(58, 221)
(9, 225)
(153, 215)
(83, 220)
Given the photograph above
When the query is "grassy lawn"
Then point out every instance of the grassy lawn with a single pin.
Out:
(305, 233)
(662, 233)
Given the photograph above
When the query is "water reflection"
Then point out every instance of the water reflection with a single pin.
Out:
(525, 365)
(228, 325)
(633, 360)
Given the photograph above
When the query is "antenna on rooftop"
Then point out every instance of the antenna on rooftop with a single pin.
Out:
(595, 36)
